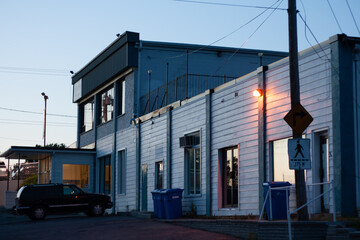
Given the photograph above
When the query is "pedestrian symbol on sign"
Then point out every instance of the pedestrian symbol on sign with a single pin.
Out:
(299, 153)
(298, 149)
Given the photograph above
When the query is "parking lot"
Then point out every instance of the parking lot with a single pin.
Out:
(79, 226)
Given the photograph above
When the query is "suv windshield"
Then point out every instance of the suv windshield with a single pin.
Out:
(20, 191)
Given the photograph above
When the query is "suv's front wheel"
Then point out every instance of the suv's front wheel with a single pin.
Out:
(37, 213)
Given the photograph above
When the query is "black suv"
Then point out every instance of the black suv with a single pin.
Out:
(38, 200)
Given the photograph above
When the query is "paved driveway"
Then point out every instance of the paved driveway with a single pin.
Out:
(106, 227)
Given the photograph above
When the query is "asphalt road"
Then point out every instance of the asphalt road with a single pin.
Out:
(106, 227)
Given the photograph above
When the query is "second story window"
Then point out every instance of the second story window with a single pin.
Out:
(87, 112)
(106, 105)
(121, 98)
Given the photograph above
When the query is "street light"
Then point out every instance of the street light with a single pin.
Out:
(44, 133)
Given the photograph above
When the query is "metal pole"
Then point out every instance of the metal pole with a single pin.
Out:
(270, 203)
(333, 196)
(18, 182)
(295, 99)
(8, 175)
(288, 212)
(45, 99)
(149, 74)
(167, 83)
(187, 74)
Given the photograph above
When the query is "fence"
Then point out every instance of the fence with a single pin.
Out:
(316, 195)
(182, 87)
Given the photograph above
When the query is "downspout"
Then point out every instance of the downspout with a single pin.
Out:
(262, 132)
(169, 148)
(356, 119)
(138, 168)
(96, 164)
(113, 158)
(137, 124)
(208, 152)
(79, 120)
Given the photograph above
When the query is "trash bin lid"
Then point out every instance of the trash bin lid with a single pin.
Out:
(277, 184)
(157, 191)
(172, 191)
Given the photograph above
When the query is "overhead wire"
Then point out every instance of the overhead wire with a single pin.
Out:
(25, 111)
(229, 34)
(353, 16)
(334, 16)
(227, 4)
(273, 10)
(34, 71)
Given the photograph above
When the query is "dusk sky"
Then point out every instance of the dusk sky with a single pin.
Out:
(43, 40)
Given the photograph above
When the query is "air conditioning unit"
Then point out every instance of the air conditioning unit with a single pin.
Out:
(189, 141)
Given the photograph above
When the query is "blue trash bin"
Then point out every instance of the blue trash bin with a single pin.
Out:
(158, 203)
(278, 200)
(172, 202)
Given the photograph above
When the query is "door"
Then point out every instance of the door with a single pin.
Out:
(231, 177)
(321, 171)
(144, 180)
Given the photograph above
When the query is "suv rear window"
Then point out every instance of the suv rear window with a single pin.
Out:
(37, 192)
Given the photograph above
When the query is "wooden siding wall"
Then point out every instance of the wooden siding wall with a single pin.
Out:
(153, 149)
(126, 140)
(315, 92)
(187, 119)
(234, 122)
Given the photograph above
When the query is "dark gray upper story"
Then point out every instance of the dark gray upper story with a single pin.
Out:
(156, 74)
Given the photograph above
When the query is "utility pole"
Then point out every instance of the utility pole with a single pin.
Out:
(295, 99)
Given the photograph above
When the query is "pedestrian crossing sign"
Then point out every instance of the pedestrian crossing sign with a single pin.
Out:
(299, 153)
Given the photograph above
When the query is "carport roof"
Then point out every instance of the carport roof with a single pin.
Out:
(36, 153)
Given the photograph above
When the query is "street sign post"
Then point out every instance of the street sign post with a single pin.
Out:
(299, 153)
(298, 118)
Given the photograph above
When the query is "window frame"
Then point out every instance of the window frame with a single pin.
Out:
(105, 161)
(122, 171)
(101, 109)
(83, 111)
(121, 97)
(188, 191)
(159, 174)
(87, 185)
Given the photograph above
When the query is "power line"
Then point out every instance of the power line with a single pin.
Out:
(227, 60)
(228, 4)
(334, 16)
(25, 111)
(227, 35)
(353, 16)
(29, 121)
(34, 71)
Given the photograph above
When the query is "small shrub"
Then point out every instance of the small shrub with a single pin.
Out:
(30, 180)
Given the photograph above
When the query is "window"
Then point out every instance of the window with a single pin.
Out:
(229, 176)
(87, 118)
(105, 175)
(106, 105)
(77, 174)
(121, 98)
(159, 172)
(281, 161)
(122, 171)
(192, 166)
(71, 190)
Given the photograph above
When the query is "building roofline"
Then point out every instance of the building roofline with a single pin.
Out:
(14, 151)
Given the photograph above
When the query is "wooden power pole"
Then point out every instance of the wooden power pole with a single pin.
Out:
(295, 99)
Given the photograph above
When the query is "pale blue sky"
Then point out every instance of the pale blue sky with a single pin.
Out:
(41, 36)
